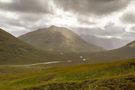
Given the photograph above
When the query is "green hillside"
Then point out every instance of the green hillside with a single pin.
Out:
(14, 51)
(58, 39)
(112, 76)
(126, 52)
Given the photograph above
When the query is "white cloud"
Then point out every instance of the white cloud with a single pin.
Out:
(6, 1)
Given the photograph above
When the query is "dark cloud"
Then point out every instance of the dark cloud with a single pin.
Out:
(27, 12)
(26, 6)
(85, 21)
(97, 7)
(31, 17)
(128, 18)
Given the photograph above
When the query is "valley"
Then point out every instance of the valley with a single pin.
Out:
(24, 66)
(76, 77)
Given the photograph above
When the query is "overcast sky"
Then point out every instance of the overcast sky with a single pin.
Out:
(114, 16)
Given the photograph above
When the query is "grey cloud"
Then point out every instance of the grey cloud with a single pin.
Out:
(26, 6)
(97, 7)
(133, 28)
(28, 11)
(31, 17)
(109, 30)
(128, 18)
(85, 21)
(23, 21)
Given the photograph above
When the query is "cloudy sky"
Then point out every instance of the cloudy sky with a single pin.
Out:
(114, 16)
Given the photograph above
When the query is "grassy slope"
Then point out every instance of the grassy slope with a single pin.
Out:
(110, 76)
(14, 51)
(113, 55)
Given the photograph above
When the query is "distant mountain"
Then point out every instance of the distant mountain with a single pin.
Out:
(14, 51)
(109, 44)
(124, 53)
(102, 37)
(58, 39)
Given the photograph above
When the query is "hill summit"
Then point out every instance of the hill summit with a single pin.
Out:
(58, 39)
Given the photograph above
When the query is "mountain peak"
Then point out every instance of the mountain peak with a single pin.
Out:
(58, 39)
(53, 26)
(57, 28)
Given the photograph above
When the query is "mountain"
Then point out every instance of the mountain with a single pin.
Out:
(14, 51)
(58, 39)
(109, 44)
(103, 37)
(126, 52)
